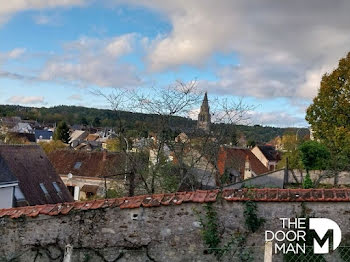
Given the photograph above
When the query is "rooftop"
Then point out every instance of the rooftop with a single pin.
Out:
(35, 174)
(199, 196)
(88, 164)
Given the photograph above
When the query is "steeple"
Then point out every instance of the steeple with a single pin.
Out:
(204, 115)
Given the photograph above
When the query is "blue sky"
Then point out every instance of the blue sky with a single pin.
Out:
(271, 55)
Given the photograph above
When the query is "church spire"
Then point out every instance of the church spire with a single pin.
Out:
(204, 115)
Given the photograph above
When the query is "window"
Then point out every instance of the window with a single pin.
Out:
(77, 165)
(90, 195)
(71, 190)
(43, 188)
(18, 194)
(57, 188)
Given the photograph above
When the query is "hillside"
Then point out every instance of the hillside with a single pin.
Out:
(131, 121)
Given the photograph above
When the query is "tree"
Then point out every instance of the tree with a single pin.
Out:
(291, 155)
(96, 122)
(84, 121)
(329, 115)
(314, 156)
(51, 146)
(62, 132)
(175, 164)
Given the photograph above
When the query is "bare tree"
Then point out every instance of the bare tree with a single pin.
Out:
(169, 161)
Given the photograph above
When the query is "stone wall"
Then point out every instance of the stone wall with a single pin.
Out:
(163, 233)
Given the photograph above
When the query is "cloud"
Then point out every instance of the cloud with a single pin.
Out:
(9, 8)
(75, 97)
(278, 119)
(26, 100)
(120, 45)
(17, 52)
(15, 76)
(12, 54)
(91, 61)
(283, 47)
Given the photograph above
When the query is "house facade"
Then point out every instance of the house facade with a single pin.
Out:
(88, 174)
(238, 164)
(267, 155)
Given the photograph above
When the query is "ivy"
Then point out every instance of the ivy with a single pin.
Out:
(209, 230)
(252, 221)
(212, 238)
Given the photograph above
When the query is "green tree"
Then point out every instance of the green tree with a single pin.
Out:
(314, 156)
(84, 121)
(62, 132)
(329, 113)
(307, 183)
(329, 116)
(96, 122)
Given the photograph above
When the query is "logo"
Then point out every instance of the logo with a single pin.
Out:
(292, 237)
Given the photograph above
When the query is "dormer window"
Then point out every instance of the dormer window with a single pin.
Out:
(43, 188)
(77, 165)
(57, 188)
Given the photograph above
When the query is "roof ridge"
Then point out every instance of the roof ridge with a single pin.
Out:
(199, 196)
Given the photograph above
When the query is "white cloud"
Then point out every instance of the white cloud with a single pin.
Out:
(26, 100)
(120, 45)
(17, 52)
(91, 61)
(276, 118)
(9, 8)
(12, 54)
(282, 45)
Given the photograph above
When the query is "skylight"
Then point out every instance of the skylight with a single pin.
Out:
(77, 165)
(57, 188)
(43, 188)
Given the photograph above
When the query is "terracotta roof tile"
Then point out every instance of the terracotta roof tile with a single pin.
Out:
(167, 199)
(47, 209)
(153, 200)
(211, 196)
(67, 207)
(132, 202)
(199, 196)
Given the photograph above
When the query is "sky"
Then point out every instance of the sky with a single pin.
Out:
(272, 54)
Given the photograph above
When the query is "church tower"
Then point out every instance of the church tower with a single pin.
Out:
(203, 122)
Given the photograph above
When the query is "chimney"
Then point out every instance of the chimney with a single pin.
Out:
(247, 171)
(104, 155)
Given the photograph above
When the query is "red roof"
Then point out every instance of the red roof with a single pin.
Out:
(199, 196)
(236, 157)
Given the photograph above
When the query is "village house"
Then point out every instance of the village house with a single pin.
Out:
(239, 164)
(88, 174)
(8, 185)
(31, 176)
(43, 135)
(267, 155)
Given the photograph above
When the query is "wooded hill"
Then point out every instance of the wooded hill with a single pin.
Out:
(132, 122)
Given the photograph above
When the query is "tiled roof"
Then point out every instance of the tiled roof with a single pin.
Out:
(92, 164)
(236, 157)
(31, 167)
(199, 196)
(269, 152)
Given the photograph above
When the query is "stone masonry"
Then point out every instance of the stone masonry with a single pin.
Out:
(159, 227)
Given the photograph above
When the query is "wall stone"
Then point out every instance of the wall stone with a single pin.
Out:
(165, 233)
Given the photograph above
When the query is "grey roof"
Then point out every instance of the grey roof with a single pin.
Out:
(43, 134)
(33, 170)
(6, 176)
